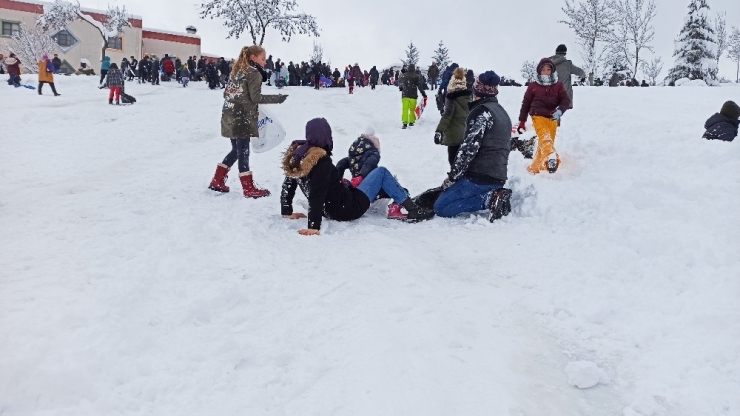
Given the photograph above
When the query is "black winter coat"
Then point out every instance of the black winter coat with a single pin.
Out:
(720, 127)
(410, 83)
(321, 184)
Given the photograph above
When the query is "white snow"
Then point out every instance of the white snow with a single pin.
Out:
(128, 288)
(585, 374)
(685, 82)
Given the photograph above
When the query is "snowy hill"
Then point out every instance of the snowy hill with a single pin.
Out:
(128, 288)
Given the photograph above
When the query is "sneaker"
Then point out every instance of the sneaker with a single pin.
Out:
(395, 213)
(500, 204)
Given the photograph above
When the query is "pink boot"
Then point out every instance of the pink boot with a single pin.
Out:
(394, 212)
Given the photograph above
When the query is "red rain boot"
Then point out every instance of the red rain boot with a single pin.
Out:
(251, 191)
(218, 183)
(394, 212)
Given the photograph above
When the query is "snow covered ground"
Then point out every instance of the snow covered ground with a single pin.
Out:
(128, 288)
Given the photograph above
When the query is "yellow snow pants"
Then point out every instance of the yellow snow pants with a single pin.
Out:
(546, 129)
(409, 111)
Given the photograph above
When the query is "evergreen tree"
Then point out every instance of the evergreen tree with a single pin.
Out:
(412, 55)
(441, 56)
(696, 46)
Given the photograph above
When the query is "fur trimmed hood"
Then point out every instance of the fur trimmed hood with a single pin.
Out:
(373, 139)
(307, 164)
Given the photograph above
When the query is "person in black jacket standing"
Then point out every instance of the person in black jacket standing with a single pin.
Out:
(374, 75)
(479, 174)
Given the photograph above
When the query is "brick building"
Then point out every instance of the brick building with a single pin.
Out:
(80, 40)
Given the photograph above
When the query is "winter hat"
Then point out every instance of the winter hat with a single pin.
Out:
(411, 68)
(457, 83)
(369, 134)
(562, 49)
(546, 80)
(486, 85)
(730, 110)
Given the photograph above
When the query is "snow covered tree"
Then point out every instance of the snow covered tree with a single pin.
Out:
(696, 46)
(733, 50)
(412, 55)
(61, 13)
(720, 31)
(529, 71)
(652, 69)
(257, 16)
(591, 21)
(29, 44)
(441, 56)
(317, 55)
(633, 31)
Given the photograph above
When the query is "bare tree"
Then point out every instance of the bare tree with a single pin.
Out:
(29, 44)
(652, 69)
(257, 16)
(529, 71)
(633, 30)
(61, 13)
(733, 50)
(591, 21)
(720, 32)
(317, 55)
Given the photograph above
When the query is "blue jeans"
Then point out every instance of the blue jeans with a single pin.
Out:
(239, 152)
(464, 196)
(381, 179)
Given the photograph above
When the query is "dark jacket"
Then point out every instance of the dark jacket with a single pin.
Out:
(269, 64)
(321, 184)
(484, 154)
(240, 112)
(134, 64)
(470, 79)
(720, 127)
(433, 72)
(336, 74)
(115, 78)
(155, 65)
(374, 74)
(13, 65)
(454, 118)
(614, 80)
(540, 100)
(410, 83)
(363, 158)
(447, 76)
(57, 63)
(566, 70)
(356, 73)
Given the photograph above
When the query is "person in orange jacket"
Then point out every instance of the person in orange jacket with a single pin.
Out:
(546, 101)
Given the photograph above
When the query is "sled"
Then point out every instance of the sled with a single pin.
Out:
(428, 198)
(419, 109)
(271, 132)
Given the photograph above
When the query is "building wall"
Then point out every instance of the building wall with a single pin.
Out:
(136, 41)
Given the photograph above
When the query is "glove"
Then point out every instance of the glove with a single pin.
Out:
(557, 114)
(437, 138)
(425, 101)
(522, 128)
(356, 181)
(345, 182)
(447, 183)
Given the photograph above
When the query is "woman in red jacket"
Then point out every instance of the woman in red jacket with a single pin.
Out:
(545, 100)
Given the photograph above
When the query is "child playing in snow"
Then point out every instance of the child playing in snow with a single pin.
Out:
(723, 125)
(115, 82)
(184, 76)
(545, 100)
(363, 158)
(351, 83)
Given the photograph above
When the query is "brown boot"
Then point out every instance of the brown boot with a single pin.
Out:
(218, 183)
(250, 190)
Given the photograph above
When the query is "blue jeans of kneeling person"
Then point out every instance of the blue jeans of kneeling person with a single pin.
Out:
(381, 178)
(464, 196)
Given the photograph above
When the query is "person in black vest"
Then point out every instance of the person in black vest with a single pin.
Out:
(478, 177)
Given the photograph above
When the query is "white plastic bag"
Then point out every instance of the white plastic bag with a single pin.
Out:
(271, 132)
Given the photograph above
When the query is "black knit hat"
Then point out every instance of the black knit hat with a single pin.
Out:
(562, 49)
(730, 110)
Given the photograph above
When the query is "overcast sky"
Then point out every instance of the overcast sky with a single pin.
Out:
(480, 34)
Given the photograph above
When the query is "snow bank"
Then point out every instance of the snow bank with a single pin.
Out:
(585, 374)
(130, 289)
(685, 82)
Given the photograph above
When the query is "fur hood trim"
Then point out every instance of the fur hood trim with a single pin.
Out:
(457, 94)
(373, 139)
(307, 164)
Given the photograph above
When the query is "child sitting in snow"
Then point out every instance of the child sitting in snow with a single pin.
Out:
(723, 125)
(363, 158)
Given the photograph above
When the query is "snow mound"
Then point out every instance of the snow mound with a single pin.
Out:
(585, 374)
(685, 82)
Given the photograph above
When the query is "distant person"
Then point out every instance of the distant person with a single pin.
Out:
(115, 84)
(565, 70)
(46, 74)
(410, 85)
(57, 63)
(644, 84)
(451, 128)
(433, 74)
(723, 125)
(104, 67)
